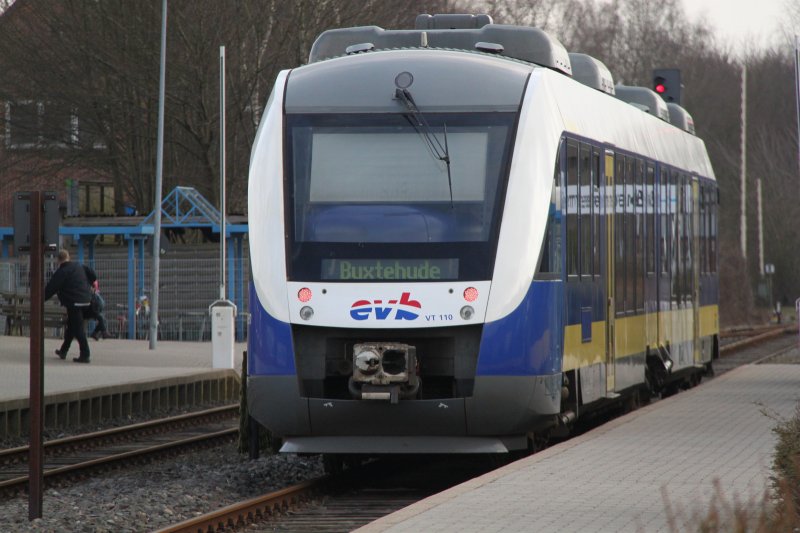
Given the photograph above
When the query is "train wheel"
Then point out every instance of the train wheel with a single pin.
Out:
(671, 389)
(632, 402)
(333, 464)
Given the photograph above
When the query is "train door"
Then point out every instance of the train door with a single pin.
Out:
(610, 212)
(695, 276)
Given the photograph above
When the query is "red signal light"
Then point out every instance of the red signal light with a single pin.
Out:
(470, 294)
(304, 294)
(660, 89)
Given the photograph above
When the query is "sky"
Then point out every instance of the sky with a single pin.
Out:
(737, 22)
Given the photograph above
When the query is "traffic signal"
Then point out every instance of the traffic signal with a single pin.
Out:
(667, 83)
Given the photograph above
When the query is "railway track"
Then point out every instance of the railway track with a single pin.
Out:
(79, 455)
(760, 346)
(342, 504)
(304, 508)
(749, 331)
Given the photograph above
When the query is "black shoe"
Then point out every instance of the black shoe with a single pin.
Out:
(95, 336)
(106, 335)
(62, 355)
(81, 359)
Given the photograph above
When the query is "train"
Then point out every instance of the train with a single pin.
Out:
(464, 239)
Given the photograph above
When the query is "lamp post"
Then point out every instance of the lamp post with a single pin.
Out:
(159, 167)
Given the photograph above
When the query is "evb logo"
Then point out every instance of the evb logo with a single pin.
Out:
(403, 309)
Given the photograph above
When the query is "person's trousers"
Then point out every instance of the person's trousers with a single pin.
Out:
(75, 330)
(99, 316)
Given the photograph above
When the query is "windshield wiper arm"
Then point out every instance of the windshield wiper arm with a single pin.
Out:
(420, 125)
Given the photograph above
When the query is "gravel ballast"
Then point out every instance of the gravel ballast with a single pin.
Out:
(158, 494)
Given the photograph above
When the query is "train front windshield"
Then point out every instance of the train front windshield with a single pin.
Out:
(371, 197)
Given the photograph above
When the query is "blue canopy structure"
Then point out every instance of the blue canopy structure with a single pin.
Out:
(182, 208)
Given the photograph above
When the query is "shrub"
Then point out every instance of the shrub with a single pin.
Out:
(786, 466)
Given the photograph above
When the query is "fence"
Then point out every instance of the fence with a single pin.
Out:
(188, 284)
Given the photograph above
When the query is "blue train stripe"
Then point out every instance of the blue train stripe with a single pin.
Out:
(527, 342)
(270, 350)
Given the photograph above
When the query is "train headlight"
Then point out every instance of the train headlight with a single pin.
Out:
(306, 312)
(467, 312)
(304, 294)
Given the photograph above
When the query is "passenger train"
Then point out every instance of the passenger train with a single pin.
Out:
(464, 238)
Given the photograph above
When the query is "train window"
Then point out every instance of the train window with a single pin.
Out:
(712, 213)
(550, 261)
(664, 209)
(630, 234)
(674, 215)
(703, 230)
(639, 235)
(585, 209)
(650, 204)
(363, 187)
(677, 247)
(688, 239)
(573, 211)
(619, 234)
(596, 212)
(675, 236)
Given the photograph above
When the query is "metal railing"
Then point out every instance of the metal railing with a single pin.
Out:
(188, 284)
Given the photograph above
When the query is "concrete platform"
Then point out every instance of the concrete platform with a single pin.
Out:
(652, 470)
(124, 377)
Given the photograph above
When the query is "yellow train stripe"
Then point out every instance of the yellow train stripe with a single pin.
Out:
(635, 333)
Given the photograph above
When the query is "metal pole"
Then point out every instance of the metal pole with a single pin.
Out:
(760, 228)
(222, 228)
(743, 171)
(159, 167)
(36, 402)
(797, 93)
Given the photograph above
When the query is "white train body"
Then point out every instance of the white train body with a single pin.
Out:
(398, 305)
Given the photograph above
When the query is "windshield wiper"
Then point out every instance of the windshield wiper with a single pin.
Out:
(420, 125)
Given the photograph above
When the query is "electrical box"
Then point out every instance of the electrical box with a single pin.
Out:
(222, 336)
(51, 221)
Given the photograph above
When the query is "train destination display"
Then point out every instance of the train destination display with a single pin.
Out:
(394, 269)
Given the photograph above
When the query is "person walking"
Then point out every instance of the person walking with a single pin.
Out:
(97, 311)
(72, 285)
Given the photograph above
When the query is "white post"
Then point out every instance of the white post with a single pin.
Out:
(222, 210)
(223, 311)
(222, 336)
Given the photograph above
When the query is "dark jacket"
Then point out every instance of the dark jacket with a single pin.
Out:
(71, 283)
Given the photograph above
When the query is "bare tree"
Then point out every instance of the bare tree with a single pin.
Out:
(80, 82)
(95, 65)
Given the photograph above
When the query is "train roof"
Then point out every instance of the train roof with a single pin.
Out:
(523, 48)
(524, 43)
(680, 118)
(645, 99)
(477, 33)
(624, 126)
(592, 72)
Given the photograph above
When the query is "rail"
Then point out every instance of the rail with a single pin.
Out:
(110, 448)
(759, 337)
(249, 511)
